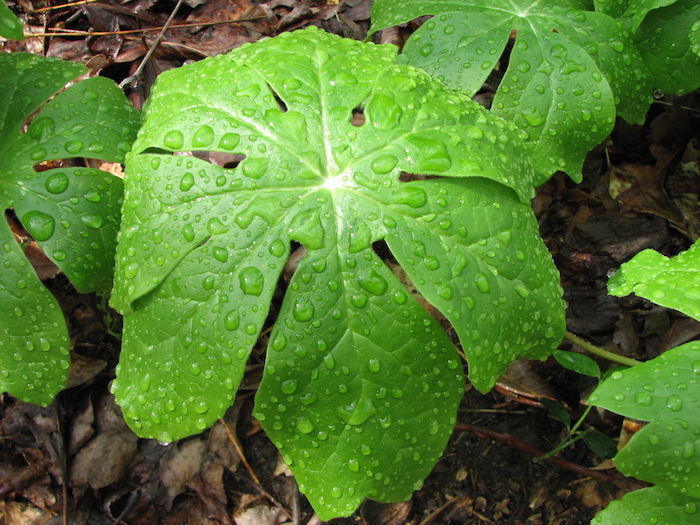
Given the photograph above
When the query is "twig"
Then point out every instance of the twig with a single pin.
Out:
(71, 4)
(471, 511)
(255, 479)
(77, 32)
(133, 78)
(573, 467)
(596, 350)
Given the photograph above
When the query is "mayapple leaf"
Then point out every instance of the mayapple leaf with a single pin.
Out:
(10, 25)
(569, 73)
(671, 282)
(666, 392)
(651, 505)
(309, 138)
(72, 212)
(666, 39)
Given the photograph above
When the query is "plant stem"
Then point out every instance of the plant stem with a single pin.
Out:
(588, 347)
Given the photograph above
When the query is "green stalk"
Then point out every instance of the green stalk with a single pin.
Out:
(627, 361)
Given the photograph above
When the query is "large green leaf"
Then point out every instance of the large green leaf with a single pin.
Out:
(666, 392)
(673, 283)
(568, 74)
(72, 212)
(10, 25)
(361, 385)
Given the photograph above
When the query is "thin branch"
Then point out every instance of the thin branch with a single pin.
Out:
(77, 32)
(596, 350)
(134, 78)
(573, 467)
(255, 479)
(71, 4)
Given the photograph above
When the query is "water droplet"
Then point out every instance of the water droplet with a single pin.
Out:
(188, 232)
(329, 361)
(277, 248)
(40, 225)
(186, 182)
(373, 282)
(533, 117)
(279, 342)
(426, 49)
(303, 310)
(643, 399)
(229, 141)
(384, 164)
(232, 320)
(374, 365)
(203, 137)
(42, 127)
(174, 139)
(289, 387)
(252, 281)
(412, 196)
(482, 283)
(220, 254)
(216, 227)
(57, 183)
(92, 220)
(254, 168)
(304, 425)
(354, 465)
(674, 402)
(74, 147)
(145, 383)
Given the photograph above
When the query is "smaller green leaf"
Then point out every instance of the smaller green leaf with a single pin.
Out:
(600, 444)
(639, 9)
(72, 212)
(673, 283)
(651, 505)
(665, 40)
(34, 356)
(579, 363)
(558, 410)
(665, 391)
(614, 8)
(10, 25)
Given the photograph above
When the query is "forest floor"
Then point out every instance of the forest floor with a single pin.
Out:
(77, 462)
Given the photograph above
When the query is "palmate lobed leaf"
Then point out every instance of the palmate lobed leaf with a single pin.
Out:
(73, 213)
(666, 392)
(569, 73)
(671, 282)
(361, 385)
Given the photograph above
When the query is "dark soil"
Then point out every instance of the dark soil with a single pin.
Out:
(77, 462)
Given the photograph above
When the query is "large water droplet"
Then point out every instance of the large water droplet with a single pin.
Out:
(40, 225)
(186, 182)
(232, 320)
(57, 183)
(289, 386)
(203, 137)
(174, 139)
(303, 310)
(251, 280)
(373, 282)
